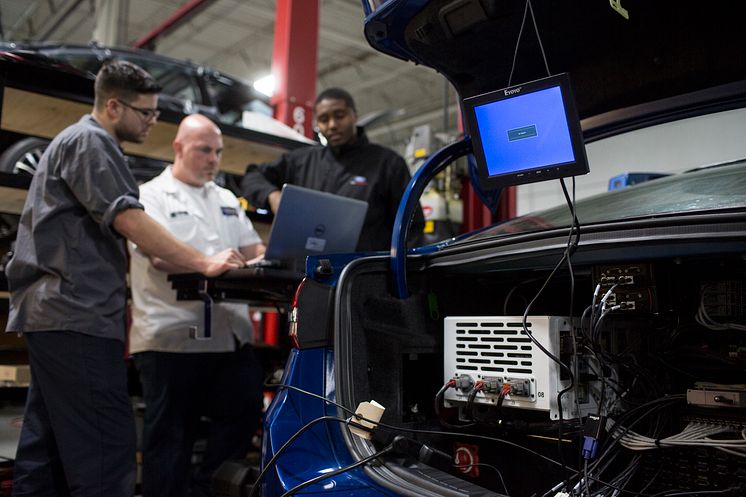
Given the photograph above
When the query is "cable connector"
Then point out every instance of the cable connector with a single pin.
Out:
(372, 412)
(594, 430)
(506, 389)
(423, 453)
(464, 382)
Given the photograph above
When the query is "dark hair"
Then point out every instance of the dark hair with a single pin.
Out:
(336, 94)
(122, 79)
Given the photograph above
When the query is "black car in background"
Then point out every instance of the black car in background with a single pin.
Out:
(187, 88)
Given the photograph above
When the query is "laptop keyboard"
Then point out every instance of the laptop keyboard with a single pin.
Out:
(264, 263)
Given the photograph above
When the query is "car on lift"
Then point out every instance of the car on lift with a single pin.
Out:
(187, 88)
(589, 349)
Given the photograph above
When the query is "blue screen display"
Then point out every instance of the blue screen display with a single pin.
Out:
(524, 132)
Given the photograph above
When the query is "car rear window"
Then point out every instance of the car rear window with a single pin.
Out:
(709, 189)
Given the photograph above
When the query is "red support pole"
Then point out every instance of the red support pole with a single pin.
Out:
(507, 209)
(271, 328)
(475, 213)
(294, 62)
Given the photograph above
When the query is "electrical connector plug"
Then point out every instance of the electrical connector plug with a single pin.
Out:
(423, 453)
(594, 430)
(372, 412)
(590, 446)
(492, 384)
(506, 389)
(464, 382)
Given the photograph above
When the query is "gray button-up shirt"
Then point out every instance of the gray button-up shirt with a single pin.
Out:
(68, 267)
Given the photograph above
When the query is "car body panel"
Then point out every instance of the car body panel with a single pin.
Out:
(310, 369)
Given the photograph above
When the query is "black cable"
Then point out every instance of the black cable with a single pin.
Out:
(582, 320)
(585, 480)
(414, 430)
(290, 440)
(571, 247)
(311, 394)
(697, 492)
(526, 9)
(538, 37)
(613, 441)
(565, 257)
(463, 435)
(485, 465)
(336, 472)
(517, 44)
(436, 406)
(597, 328)
(455, 434)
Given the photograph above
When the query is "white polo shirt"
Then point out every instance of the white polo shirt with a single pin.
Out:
(210, 219)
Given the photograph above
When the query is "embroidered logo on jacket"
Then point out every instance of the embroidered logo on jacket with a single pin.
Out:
(359, 180)
(229, 211)
(179, 213)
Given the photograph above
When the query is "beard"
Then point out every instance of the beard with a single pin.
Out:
(131, 134)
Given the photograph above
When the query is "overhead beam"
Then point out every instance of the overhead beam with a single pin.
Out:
(56, 20)
(383, 78)
(411, 121)
(180, 16)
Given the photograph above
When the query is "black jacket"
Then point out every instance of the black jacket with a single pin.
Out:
(362, 170)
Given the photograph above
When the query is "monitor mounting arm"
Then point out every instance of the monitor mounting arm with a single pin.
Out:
(410, 201)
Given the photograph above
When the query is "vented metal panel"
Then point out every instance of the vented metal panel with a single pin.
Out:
(497, 348)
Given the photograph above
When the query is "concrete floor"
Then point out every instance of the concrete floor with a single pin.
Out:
(11, 417)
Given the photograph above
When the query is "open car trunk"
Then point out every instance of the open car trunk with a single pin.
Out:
(649, 352)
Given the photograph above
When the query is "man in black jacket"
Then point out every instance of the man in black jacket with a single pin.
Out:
(349, 165)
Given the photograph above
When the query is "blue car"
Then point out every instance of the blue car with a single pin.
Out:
(593, 348)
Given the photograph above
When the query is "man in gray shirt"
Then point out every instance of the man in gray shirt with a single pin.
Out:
(68, 294)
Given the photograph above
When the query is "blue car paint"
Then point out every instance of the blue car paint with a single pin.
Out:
(321, 448)
(385, 28)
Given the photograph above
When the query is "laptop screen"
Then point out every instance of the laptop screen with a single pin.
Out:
(310, 222)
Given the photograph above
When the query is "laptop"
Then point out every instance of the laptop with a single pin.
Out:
(310, 222)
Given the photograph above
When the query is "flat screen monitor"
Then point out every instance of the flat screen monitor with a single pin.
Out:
(526, 133)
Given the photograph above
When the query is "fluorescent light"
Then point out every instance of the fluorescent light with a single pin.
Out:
(265, 85)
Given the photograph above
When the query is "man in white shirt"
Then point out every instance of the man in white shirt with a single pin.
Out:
(183, 378)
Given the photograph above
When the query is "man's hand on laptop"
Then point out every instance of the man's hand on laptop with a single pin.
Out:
(274, 200)
(223, 261)
(254, 260)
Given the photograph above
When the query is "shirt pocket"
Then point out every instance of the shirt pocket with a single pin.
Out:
(180, 219)
(183, 226)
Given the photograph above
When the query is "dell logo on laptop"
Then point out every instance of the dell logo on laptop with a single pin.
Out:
(319, 230)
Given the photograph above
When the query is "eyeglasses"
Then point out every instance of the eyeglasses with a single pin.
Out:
(147, 114)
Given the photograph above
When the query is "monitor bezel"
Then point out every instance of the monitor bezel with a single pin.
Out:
(574, 168)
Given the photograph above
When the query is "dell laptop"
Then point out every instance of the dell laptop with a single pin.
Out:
(310, 222)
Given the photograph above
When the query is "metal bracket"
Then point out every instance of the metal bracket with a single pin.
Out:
(206, 334)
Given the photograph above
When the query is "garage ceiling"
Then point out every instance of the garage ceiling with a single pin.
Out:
(235, 36)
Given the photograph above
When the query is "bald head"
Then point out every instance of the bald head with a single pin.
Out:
(198, 147)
